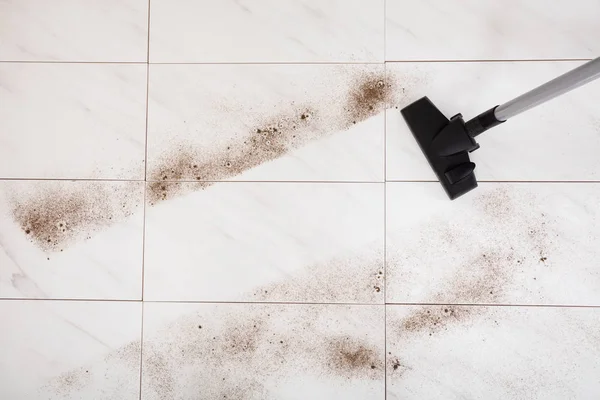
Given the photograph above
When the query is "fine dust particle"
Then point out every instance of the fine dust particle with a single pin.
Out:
(128, 355)
(240, 344)
(270, 137)
(266, 141)
(483, 279)
(523, 240)
(351, 358)
(433, 319)
(117, 372)
(245, 389)
(497, 204)
(161, 191)
(532, 233)
(369, 95)
(243, 339)
(62, 212)
(353, 278)
(396, 368)
(158, 373)
(236, 351)
(260, 343)
(70, 381)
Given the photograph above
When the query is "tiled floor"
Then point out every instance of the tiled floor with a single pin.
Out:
(228, 205)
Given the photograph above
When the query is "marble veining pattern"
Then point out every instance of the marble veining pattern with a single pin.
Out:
(266, 31)
(72, 121)
(74, 30)
(480, 30)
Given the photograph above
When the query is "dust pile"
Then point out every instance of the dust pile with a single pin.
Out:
(69, 382)
(522, 240)
(267, 141)
(233, 351)
(272, 136)
(370, 95)
(115, 376)
(356, 278)
(56, 217)
(237, 348)
(352, 358)
(434, 318)
(59, 213)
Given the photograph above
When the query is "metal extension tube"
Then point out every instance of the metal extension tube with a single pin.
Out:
(560, 85)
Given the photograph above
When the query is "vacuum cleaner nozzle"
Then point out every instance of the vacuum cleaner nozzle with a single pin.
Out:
(446, 144)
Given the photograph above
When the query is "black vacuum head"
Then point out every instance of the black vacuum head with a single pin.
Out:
(446, 145)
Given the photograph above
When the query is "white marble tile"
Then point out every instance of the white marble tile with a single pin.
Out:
(266, 31)
(73, 30)
(72, 121)
(274, 351)
(483, 30)
(523, 243)
(266, 122)
(558, 140)
(457, 352)
(71, 239)
(293, 242)
(59, 350)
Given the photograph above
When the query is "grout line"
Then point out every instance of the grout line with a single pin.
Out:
(536, 181)
(384, 31)
(146, 123)
(144, 243)
(73, 179)
(297, 181)
(488, 181)
(302, 181)
(496, 305)
(73, 62)
(183, 181)
(145, 174)
(141, 349)
(148, 36)
(296, 62)
(196, 63)
(144, 205)
(69, 299)
(146, 127)
(147, 95)
(179, 181)
(489, 61)
(272, 63)
(385, 351)
(385, 109)
(217, 302)
(236, 181)
(145, 159)
(300, 303)
(388, 181)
